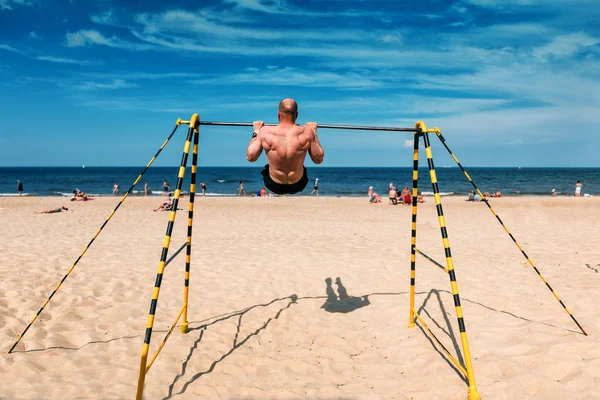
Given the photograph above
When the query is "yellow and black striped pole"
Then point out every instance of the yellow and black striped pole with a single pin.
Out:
(163, 258)
(439, 134)
(183, 327)
(95, 236)
(473, 393)
(413, 231)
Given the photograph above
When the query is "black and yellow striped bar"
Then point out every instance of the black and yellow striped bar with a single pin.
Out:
(473, 394)
(94, 238)
(161, 265)
(183, 328)
(164, 341)
(439, 134)
(444, 349)
(437, 264)
(413, 227)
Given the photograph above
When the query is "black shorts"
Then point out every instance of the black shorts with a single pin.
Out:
(280, 188)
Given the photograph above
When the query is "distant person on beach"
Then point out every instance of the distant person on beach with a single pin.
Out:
(165, 187)
(286, 146)
(404, 192)
(83, 197)
(241, 189)
(471, 196)
(146, 189)
(20, 187)
(393, 195)
(203, 186)
(497, 194)
(263, 192)
(373, 197)
(52, 210)
(166, 204)
(421, 198)
(316, 187)
(553, 191)
(578, 187)
(392, 186)
(116, 187)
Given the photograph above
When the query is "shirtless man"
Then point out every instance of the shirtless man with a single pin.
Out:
(285, 146)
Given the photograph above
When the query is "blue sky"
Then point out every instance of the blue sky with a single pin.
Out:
(510, 83)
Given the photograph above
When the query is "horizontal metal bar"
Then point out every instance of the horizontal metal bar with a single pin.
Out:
(322, 126)
(432, 260)
(176, 253)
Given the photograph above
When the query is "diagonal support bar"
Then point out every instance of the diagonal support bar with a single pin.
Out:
(473, 393)
(444, 349)
(439, 134)
(161, 266)
(94, 238)
(437, 264)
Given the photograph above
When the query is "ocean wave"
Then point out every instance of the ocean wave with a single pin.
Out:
(216, 194)
(16, 194)
(441, 193)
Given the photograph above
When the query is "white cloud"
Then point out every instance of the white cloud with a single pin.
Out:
(282, 7)
(289, 76)
(115, 84)
(89, 37)
(93, 37)
(409, 143)
(8, 4)
(268, 7)
(175, 22)
(105, 18)
(391, 38)
(132, 75)
(33, 35)
(531, 82)
(11, 49)
(62, 60)
(565, 45)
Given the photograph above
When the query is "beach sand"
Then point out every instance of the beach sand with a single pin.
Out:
(257, 326)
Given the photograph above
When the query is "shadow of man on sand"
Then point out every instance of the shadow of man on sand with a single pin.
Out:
(343, 303)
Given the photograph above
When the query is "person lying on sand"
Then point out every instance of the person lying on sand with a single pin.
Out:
(84, 197)
(165, 205)
(286, 146)
(52, 210)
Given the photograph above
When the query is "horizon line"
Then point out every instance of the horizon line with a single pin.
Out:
(253, 166)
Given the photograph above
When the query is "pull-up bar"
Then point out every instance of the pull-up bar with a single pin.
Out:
(323, 126)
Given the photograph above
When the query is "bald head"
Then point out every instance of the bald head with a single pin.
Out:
(288, 110)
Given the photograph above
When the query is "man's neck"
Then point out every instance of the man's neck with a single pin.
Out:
(286, 123)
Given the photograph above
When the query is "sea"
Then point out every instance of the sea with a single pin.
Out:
(336, 182)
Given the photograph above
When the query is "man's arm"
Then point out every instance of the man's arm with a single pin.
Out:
(255, 147)
(315, 151)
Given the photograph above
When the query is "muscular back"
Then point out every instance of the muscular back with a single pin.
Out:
(286, 148)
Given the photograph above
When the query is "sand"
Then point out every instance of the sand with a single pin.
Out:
(257, 326)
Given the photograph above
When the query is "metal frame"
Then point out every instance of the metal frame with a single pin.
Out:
(420, 132)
